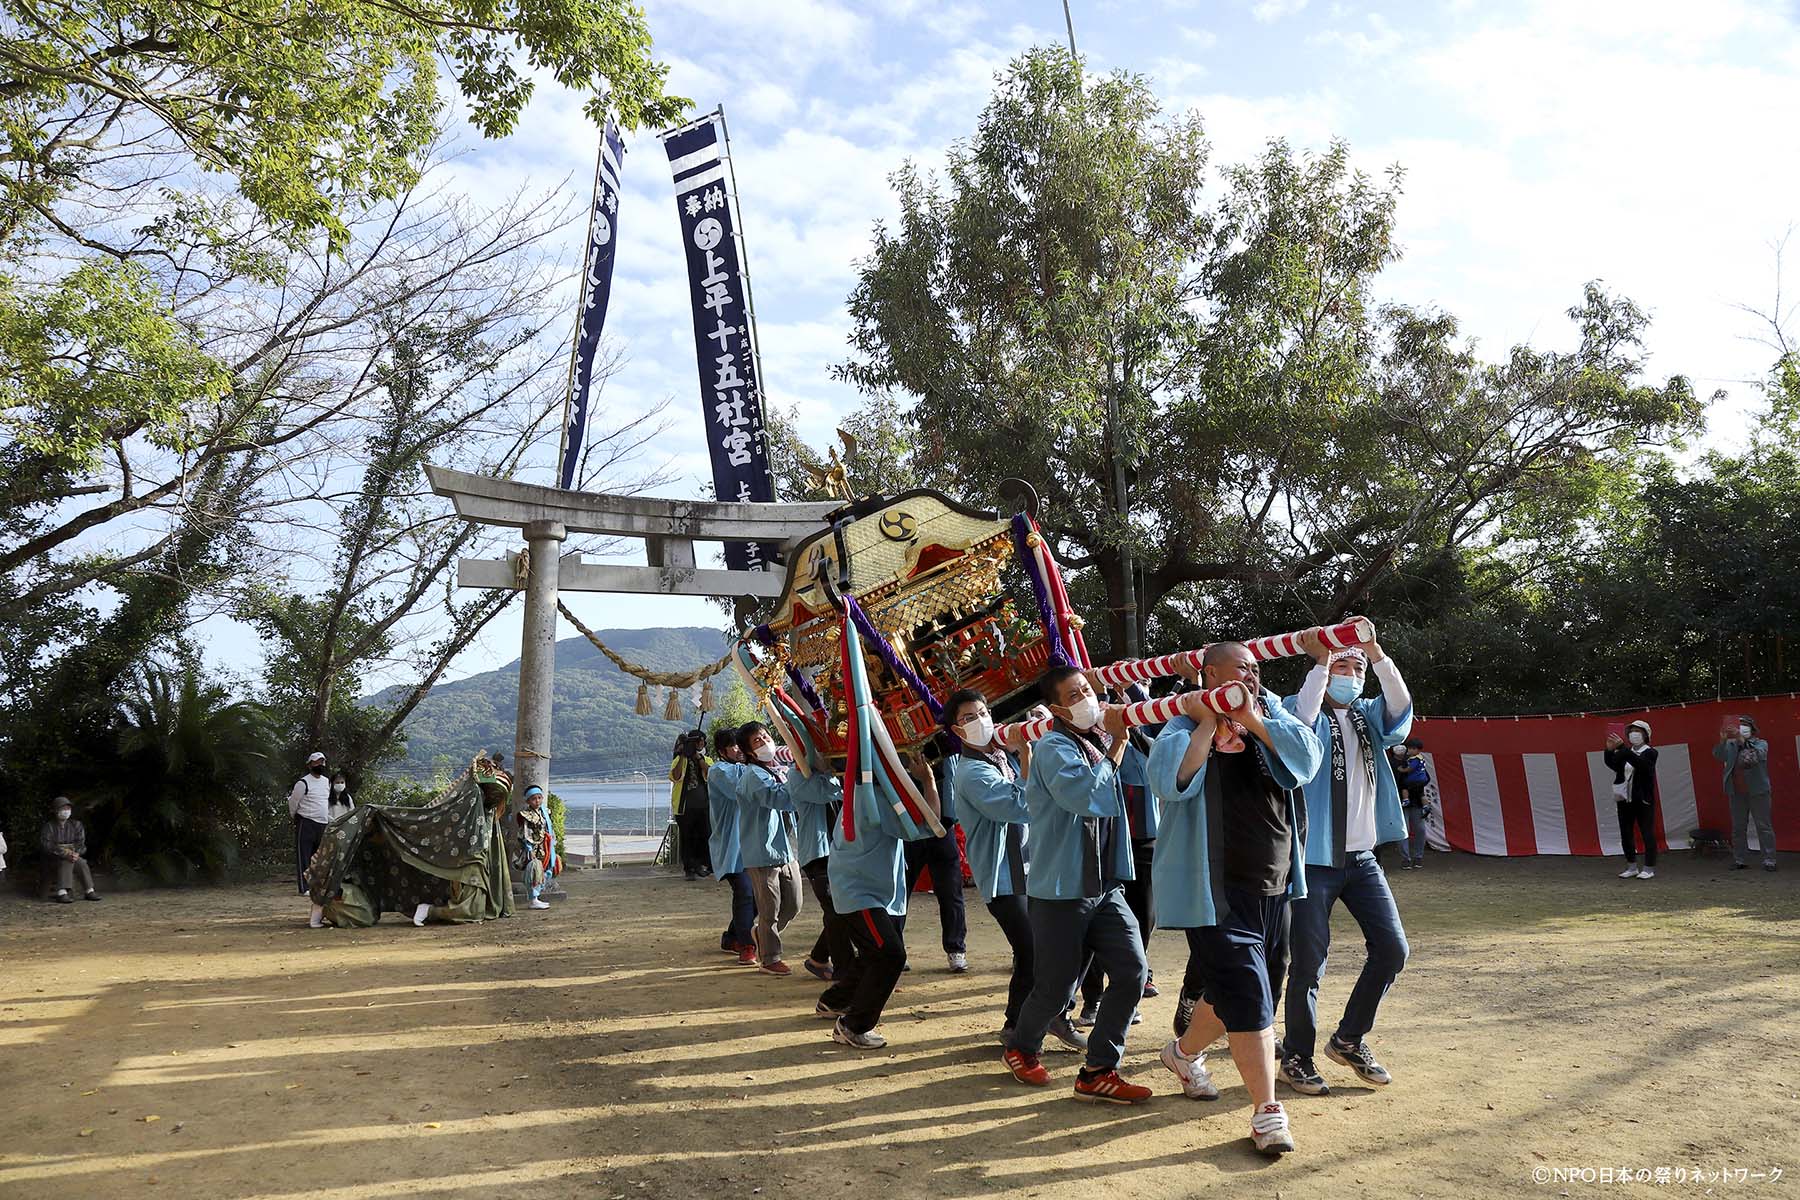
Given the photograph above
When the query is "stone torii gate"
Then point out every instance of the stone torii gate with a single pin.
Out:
(669, 528)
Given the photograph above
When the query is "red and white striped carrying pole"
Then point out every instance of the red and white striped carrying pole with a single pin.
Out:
(1358, 631)
(1226, 698)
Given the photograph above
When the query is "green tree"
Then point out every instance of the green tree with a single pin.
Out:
(196, 784)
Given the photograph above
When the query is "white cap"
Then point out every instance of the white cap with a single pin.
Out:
(1640, 724)
(316, 756)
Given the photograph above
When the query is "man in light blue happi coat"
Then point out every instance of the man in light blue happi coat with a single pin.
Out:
(1353, 806)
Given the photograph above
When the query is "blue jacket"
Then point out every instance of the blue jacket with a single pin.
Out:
(869, 871)
(1140, 802)
(766, 833)
(1188, 871)
(993, 810)
(814, 801)
(1325, 821)
(722, 807)
(1067, 798)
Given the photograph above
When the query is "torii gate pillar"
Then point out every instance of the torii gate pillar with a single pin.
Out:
(537, 655)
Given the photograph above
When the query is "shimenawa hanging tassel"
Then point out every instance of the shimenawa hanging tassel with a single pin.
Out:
(643, 700)
(706, 695)
(673, 711)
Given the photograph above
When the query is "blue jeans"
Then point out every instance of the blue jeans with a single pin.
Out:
(1064, 934)
(1360, 884)
(1413, 849)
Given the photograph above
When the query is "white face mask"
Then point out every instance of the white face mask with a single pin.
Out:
(1637, 737)
(765, 752)
(977, 731)
(1744, 731)
(337, 787)
(1085, 713)
(63, 814)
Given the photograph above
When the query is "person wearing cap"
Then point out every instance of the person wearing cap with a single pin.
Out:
(1745, 757)
(63, 841)
(1633, 760)
(309, 803)
(1352, 806)
(534, 844)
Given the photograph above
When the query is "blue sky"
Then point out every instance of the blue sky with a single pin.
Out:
(1651, 145)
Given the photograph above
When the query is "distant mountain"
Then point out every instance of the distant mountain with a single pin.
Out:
(595, 726)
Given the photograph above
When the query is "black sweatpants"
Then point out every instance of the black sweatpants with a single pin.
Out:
(695, 824)
(945, 861)
(1140, 898)
(1640, 818)
(864, 982)
(1013, 915)
(833, 945)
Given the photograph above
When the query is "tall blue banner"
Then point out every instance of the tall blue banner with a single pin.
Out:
(724, 332)
(596, 290)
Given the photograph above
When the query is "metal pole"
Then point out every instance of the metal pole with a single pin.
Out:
(587, 254)
(594, 827)
(1071, 23)
(737, 223)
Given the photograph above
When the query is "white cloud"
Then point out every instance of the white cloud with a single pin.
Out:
(1270, 11)
(1377, 40)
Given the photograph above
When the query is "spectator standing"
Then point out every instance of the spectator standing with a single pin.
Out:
(688, 798)
(340, 802)
(1745, 757)
(1413, 777)
(309, 803)
(1633, 760)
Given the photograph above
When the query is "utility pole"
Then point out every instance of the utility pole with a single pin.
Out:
(1121, 496)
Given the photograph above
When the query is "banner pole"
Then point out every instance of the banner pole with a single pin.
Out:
(587, 252)
(762, 380)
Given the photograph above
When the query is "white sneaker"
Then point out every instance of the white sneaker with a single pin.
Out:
(317, 920)
(958, 963)
(420, 913)
(1647, 873)
(1630, 872)
(1196, 1082)
(1269, 1129)
(540, 904)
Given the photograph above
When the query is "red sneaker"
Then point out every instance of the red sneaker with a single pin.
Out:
(1026, 1068)
(1109, 1087)
(777, 968)
(746, 956)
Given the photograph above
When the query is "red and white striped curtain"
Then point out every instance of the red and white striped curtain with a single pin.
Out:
(1538, 785)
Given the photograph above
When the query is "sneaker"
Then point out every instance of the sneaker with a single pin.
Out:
(777, 968)
(63, 898)
(843, 1035)
(1063, 1031)
(1005, 1036)
(316, 920)
(1109, 1087)
(1184, 1011)
(1196, 1082)
(1269, 1130)
(1406, 864)
(746, 956)
(1647, 873)
(1769, 865)
(1737, 866)
(1358, 1059)
(958, 963)
(1137, 1017)
(905, 967)
(1087, 1016)
(540, 904)
(726, 944)
(819, 970)
(822, 1009)
(420, 913)
(1297, 1071)
(1025, 1067)
(1151, 991)
(91, 896)
(1630, 872)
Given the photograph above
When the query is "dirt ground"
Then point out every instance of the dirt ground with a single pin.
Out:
(204, 1043)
